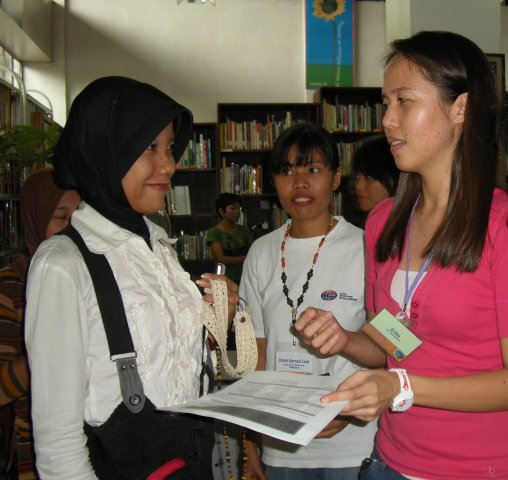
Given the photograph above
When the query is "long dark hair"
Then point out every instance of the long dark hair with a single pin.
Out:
(455, 65)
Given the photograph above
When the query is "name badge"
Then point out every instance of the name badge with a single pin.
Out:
(289, 359)
(391, 335)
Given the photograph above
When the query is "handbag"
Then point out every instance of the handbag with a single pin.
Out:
(137, 441)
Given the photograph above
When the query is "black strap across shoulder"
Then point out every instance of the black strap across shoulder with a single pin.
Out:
(108, 296)
(121, 347)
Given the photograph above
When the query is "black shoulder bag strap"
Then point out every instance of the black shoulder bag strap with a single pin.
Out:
(115, 323)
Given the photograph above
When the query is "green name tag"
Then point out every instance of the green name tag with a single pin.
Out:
(391, 335)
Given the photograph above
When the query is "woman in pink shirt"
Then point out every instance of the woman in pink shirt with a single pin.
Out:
(437, 267)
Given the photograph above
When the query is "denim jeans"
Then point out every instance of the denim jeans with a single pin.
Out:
(374, 468)
(282, 473)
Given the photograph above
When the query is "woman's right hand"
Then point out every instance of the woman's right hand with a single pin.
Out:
(321, 330)
(369, 393)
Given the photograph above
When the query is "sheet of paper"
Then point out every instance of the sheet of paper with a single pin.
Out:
(283, 405)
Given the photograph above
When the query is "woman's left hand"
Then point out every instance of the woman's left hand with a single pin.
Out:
(233, 297)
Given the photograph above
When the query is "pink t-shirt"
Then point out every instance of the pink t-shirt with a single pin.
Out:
(460, 318)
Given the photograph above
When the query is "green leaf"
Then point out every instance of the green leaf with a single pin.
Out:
(24, 145)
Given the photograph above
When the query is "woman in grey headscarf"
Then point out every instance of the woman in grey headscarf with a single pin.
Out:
(118, 150)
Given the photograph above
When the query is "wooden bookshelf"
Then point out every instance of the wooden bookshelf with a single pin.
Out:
(247, 132)
(239, 146)
(197, 170)
(351, 115)
(14, 112)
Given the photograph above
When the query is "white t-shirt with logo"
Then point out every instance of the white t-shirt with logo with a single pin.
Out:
(337, 285)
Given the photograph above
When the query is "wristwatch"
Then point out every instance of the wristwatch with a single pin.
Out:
(404, 400)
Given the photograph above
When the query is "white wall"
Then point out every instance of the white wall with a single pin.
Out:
(237, 51)
(479, 21)
(370, 43)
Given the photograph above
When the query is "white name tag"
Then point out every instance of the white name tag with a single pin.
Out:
(288, 359)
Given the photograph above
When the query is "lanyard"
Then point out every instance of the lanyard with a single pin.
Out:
(402, 315)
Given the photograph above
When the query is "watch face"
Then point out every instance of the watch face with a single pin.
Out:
(402, 404)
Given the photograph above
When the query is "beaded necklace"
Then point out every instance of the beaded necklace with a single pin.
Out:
(310, 273)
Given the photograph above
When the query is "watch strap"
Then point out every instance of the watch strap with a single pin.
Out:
(404, 400)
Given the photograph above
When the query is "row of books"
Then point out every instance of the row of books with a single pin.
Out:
(192, 246)
(338, 117)
(178, 200)
(9, 178)
(346, 154)
(12, 178)
(248, 179)
(11, 110)
(241, 179)
(279, 216)
(253, 134)
(199, 152)
(11, 230)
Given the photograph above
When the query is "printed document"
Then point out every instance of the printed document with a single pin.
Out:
(283, 405)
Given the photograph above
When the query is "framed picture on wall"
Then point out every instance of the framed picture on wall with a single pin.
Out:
(496, 61)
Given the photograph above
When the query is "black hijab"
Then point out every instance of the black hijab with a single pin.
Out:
(111, 122)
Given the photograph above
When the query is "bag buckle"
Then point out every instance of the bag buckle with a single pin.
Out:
(131, 387)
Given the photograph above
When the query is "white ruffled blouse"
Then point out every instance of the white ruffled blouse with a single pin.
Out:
(73, 378)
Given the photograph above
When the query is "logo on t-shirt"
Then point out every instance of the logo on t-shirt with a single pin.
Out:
(329, 295)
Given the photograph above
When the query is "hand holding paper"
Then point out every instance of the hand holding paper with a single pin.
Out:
(367, 392)
(286, 406)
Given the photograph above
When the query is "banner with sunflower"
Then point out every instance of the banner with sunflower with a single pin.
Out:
(329, 43)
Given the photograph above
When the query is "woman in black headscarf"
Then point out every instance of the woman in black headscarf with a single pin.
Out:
(118, 150)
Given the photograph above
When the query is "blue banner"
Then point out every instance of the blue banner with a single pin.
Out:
(329, 43)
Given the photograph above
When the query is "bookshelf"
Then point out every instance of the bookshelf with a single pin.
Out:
(350, 114)
(191, 202)
(232, 154)
(17, 112)
(246, 135)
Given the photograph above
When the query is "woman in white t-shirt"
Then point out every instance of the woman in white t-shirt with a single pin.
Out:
(314, 259)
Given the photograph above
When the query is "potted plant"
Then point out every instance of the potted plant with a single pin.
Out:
(23, 149)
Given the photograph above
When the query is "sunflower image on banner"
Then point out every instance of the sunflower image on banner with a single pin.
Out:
(329, 43)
